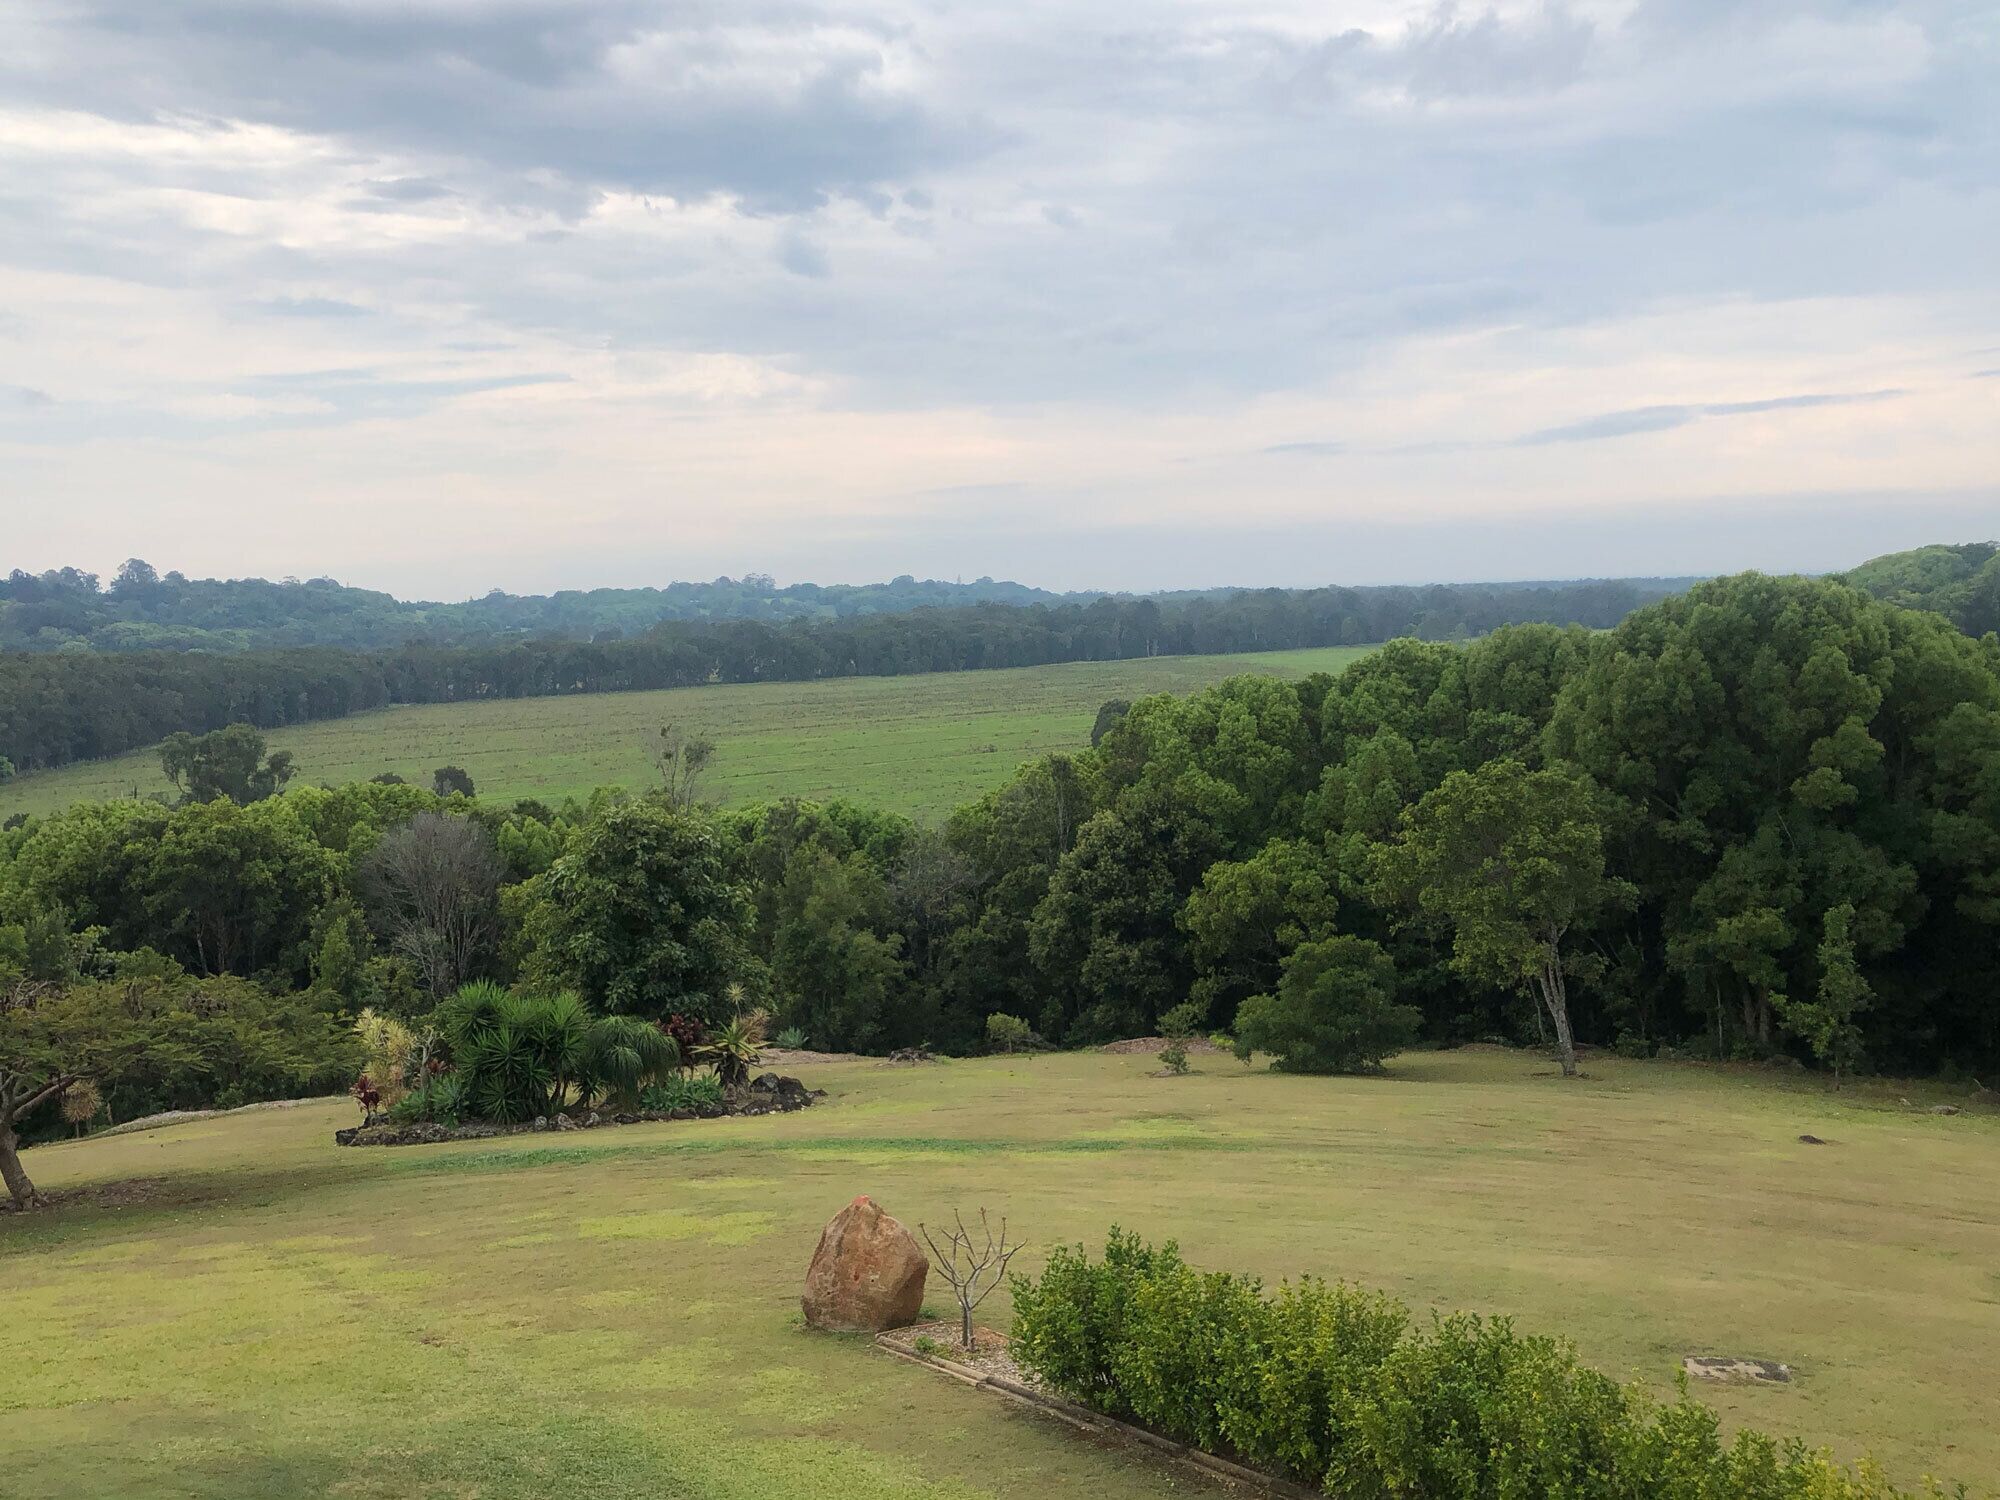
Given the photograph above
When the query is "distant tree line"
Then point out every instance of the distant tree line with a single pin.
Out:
(63, 706)
(143, 609)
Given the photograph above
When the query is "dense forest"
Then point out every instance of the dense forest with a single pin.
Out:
(141, 609)
(62, 706)
(1761, 820)
(1961, 582)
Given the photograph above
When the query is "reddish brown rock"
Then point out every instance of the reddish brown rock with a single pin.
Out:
(867, 1275)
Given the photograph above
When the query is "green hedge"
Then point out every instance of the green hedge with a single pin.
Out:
(1333, 1386)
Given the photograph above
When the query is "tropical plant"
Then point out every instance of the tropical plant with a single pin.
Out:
(792, 1039)
(386, 1046)
(735, 1048)
(519, 1056)
(81, 1103)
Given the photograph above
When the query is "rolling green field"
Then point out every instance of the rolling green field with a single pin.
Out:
(919, 745)
(237, 1308)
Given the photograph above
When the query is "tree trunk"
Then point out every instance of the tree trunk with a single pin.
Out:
(1555, 997)
(18, 1186)
(965, 1322)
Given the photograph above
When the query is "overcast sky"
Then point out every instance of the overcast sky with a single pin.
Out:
(444, 296)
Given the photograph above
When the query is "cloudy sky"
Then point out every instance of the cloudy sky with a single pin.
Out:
(443, 295)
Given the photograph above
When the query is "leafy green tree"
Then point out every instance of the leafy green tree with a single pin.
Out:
(1513, 859)
(6, 770)
(1247, 916)
(640, 915)
(1827, 1024)
(227, 762)
(1335, 1011)
(836, 977)
(53, 1036)
(451, 781)
(232, 890)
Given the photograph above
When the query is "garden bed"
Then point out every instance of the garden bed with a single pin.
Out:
(766, 1094)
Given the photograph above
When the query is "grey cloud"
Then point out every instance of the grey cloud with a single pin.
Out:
(802, 257)
(1308, 449)
(1644, 419)
(644, 94)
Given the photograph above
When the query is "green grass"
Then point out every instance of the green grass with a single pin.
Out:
(258, 1313)
(919, 745)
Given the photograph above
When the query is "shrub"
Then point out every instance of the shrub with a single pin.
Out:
(792, 1039)
(1005, 1033)
(386, 1046)
(440, 1099)
(1183, 1021)
(1334, 1012)
(518, 1056)
(682, 1093)
(1331, 1386)
(1173, 1056)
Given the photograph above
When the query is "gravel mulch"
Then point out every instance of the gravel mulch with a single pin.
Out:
(989, 1353)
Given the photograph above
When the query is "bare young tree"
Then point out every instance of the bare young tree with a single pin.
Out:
(680, 759)
(433, 886)
(973, 1266)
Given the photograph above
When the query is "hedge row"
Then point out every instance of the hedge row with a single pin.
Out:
(1333, 1386)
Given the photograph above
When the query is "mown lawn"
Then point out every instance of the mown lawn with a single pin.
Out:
(258, 1313)
(919, 745)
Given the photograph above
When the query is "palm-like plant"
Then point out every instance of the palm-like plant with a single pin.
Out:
(623, 1055)
(736, 1047)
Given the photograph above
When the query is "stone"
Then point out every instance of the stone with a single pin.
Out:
(565, 1122)
(867, 1274)
(1811, 1140)
(1944, 1109)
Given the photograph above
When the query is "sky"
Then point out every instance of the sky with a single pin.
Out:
(442, 297)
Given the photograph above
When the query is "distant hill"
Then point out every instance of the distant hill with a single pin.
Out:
(1960, 581)
(142, 609)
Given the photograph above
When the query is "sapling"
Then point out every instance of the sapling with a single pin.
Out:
(972, 1266)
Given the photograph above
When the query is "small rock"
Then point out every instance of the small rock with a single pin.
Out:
(1811, 1140)
(564, 1122)
(541, 1123)
(1944, 1109)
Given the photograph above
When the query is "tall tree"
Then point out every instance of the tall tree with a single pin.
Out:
(1827, 1023)
(1513, 859)
(641, 916)
(433, 886)
(227, 762)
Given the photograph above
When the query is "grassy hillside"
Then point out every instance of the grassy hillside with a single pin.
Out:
(920, 744)
(237, 1308)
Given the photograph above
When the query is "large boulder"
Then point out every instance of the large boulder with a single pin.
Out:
(867, 1274)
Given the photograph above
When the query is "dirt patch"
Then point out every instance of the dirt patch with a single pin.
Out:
(790, 1056)
(1194, 1044)
(1730, 1368)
